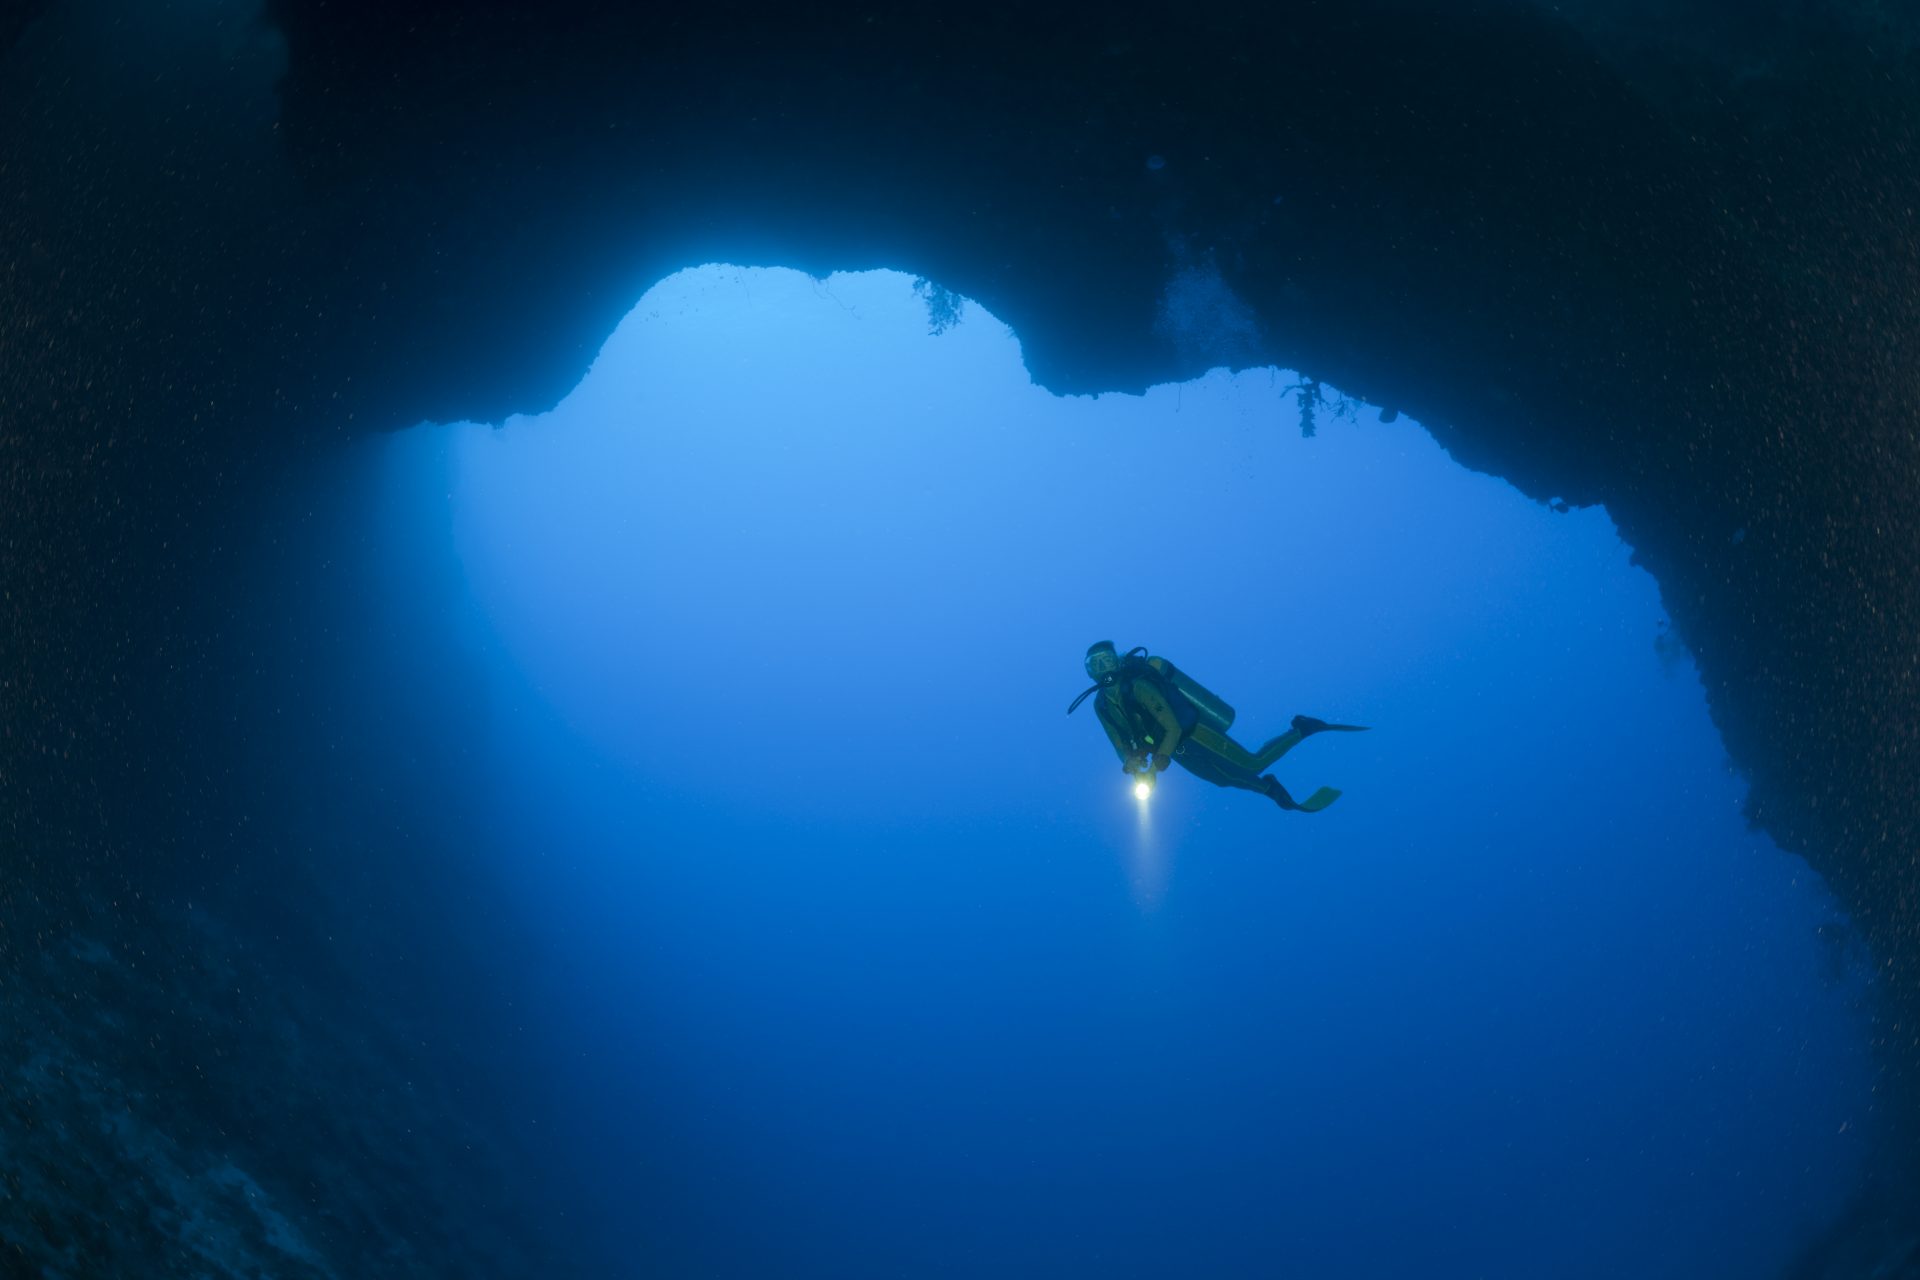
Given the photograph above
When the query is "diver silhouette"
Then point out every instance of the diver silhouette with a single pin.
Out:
(1156, 715)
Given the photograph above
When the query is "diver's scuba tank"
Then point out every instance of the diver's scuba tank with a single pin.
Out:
(1213, 709)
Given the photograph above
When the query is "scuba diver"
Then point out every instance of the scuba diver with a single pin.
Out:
(1157, 714)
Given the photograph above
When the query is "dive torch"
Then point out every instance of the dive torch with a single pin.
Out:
(1144, 776)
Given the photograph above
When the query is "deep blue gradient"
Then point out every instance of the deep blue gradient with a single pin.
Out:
(837, 949)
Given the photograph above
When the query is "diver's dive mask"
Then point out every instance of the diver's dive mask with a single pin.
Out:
(1103, 663)
(1103, 668)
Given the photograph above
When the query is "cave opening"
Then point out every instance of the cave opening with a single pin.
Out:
(720, 710)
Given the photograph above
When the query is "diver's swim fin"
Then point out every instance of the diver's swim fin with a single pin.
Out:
(1319, 800)
(1308, 725)
(1313, 803)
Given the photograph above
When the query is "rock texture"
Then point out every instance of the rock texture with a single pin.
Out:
(171, 1106)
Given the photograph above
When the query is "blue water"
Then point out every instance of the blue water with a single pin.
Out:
(831, 946)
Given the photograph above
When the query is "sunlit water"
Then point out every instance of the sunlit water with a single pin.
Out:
(856, 957)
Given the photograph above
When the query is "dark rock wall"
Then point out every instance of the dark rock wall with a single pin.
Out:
(172, 1105)
(1665, 264)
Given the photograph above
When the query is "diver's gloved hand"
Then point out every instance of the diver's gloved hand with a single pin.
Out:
(1161, 761)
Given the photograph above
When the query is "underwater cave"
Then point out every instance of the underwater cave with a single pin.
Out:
(498, 779)
(729, 695)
